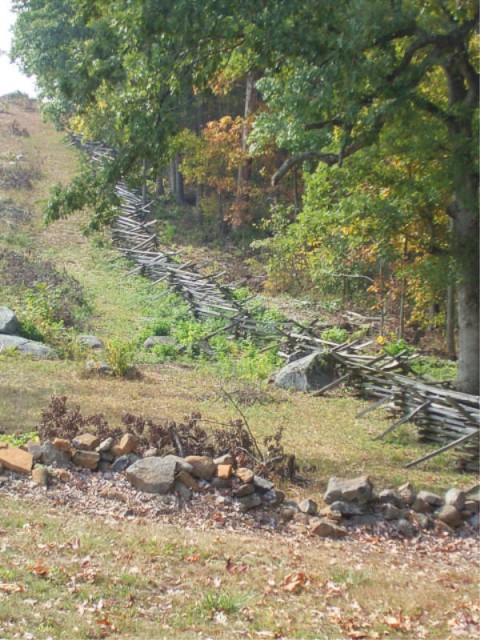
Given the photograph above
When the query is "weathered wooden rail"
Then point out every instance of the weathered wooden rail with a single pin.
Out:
(442, 416)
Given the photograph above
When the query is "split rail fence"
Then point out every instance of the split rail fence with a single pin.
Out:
(442, 416)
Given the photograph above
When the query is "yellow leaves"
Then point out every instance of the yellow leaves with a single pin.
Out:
(385, 193)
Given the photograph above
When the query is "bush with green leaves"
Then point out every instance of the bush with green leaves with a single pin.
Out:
(436, 368)
(18, 439)
(395, 347)
(335, 334)
(120, 356)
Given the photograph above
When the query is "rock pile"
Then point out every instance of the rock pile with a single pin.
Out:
(346, 502)
(9, 338)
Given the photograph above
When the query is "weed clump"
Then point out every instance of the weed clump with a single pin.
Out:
(38, 284)
(188, 437)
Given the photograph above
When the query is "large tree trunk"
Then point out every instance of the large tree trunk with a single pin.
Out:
(465, 249)
(466, 240)
(463, 99)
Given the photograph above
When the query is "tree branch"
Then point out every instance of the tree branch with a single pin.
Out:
(321, 125)
(330, 158)
(442, 41)
(433, 109)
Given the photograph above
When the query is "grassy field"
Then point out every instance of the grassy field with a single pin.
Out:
(67, 575)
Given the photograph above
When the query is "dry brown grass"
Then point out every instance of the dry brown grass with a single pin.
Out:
(324, 434)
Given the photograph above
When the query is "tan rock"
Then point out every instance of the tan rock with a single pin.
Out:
(225, 459)
(86, 459)
(85, 442)
(328, 512)
(63, 444)
(224, 471)
(202, 466)
(40, 476)
(246, 475)
(189, 481)
(15, 459)
(302, 518)
(127, 444)
(326, 529)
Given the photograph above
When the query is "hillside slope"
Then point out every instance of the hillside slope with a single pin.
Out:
(68, 573)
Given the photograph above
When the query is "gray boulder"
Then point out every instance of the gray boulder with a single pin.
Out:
(243, 490)
(430, 498)
(346, 509)
(450, 516)
(314, 371)
(262, 485)
(308, 506)
(8, 321)
(182, 464)
(99, 367)
(23, 345)
(456, 498)
(249, 502)
(349, 490)
(407, 493)
(391, 512)
(53, 457)
(91, 342)
(388, 496)
(404, 527)
(123, 462)
(273, 498)
(153, 475)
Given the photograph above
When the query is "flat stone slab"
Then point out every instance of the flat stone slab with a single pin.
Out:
(86, 459)
(23, 345)
(84, 442)
(153, 475)
(15, 459)
(349, 490)
(8, 321)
